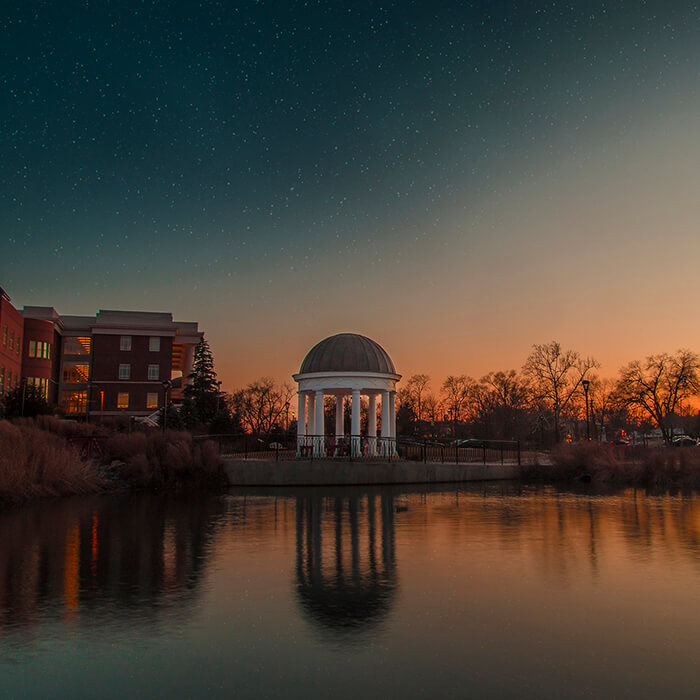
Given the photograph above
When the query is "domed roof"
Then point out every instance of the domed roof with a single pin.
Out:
(347, 352)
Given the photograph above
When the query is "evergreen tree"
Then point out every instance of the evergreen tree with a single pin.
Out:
(203, 389)
(26, 401)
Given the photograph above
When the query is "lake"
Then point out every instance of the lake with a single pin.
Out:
(485, 591)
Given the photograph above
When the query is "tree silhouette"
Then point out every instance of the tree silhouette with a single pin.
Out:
(203, 389)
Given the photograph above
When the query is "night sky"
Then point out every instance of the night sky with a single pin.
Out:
(456, 180)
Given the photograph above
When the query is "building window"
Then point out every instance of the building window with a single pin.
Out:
(32, 348)
(18, 344)
(4, 335)
(2, 381)
(77, 346)
(76, 372)
(153, 373)
(122, 400)
(124, 371)
(152, 399)
(12, 340)
(74, 401)
(154, 344)
(125, 343)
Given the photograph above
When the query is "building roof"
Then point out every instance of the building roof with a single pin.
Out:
(347, 352)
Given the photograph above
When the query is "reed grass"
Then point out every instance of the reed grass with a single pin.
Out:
(38, 460)
(650, 467)
(162, 460)
(35, 463)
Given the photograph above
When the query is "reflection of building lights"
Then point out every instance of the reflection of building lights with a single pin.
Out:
(94, 549)
(71, 569)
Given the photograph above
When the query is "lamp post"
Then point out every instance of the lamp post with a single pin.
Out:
(218, 395)
(586, 384)
(24, 393)
(166, 388)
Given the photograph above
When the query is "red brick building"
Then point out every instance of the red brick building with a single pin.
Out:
(113, 363)
(11, 330)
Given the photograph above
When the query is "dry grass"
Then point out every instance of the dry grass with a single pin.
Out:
(162, 460)
(35, 463)
(651, 467)
(36, 460)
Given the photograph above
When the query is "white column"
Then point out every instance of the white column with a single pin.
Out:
(319, 429)
(301, 421)
(386, 420)
(355, 423)
(311, 416)
(372, 425)
(392, 411)
(339, 417)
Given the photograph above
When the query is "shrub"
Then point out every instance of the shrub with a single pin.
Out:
(652, 467)
(36, 463)
(164, 460)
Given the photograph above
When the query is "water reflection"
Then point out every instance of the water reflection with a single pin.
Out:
(345, 559)
(126, 555)
(492, 591)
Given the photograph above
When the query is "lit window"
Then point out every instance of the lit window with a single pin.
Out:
(152, 399)
(76, 372)
(125, 342)
(154, 344)
(124, 371)
(45, 351)
(74, 401)
(4, 335)
(12, 340)
(32, 348)
(2, 381)
(153, 372)
(122, 400)
(48, 352)
(77, 346)
(18, 344)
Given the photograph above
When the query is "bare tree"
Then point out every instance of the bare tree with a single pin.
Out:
(417, 388)
(432, 407)
(457, 390)
(659, 386)
(262, 405)
(500, 400)
(555, 376)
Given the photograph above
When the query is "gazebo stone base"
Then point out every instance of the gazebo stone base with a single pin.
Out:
(333, 472)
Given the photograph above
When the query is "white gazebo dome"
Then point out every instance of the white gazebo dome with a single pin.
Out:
(347, 352)
(346, 364)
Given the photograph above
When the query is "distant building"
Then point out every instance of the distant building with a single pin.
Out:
(110, 364)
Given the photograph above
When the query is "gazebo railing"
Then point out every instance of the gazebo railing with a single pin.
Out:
(366, 447)
(348, 446)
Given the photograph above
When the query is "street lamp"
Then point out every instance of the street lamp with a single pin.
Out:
(218, 395)
(586, 384)
(166, 388)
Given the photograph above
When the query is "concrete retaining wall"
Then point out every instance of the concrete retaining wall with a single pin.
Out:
(332, 472)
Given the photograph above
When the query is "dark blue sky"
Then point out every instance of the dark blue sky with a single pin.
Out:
(280, 157)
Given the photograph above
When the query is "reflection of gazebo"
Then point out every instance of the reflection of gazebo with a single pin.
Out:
(346, 364)
(346, 566)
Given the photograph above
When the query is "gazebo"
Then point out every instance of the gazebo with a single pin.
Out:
(343, 365)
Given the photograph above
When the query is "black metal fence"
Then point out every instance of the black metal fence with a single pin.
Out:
(363, 447)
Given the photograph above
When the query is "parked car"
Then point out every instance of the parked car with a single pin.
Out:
(471, 442)
(684, 441)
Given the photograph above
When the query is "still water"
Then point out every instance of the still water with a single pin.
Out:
(388, 592)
